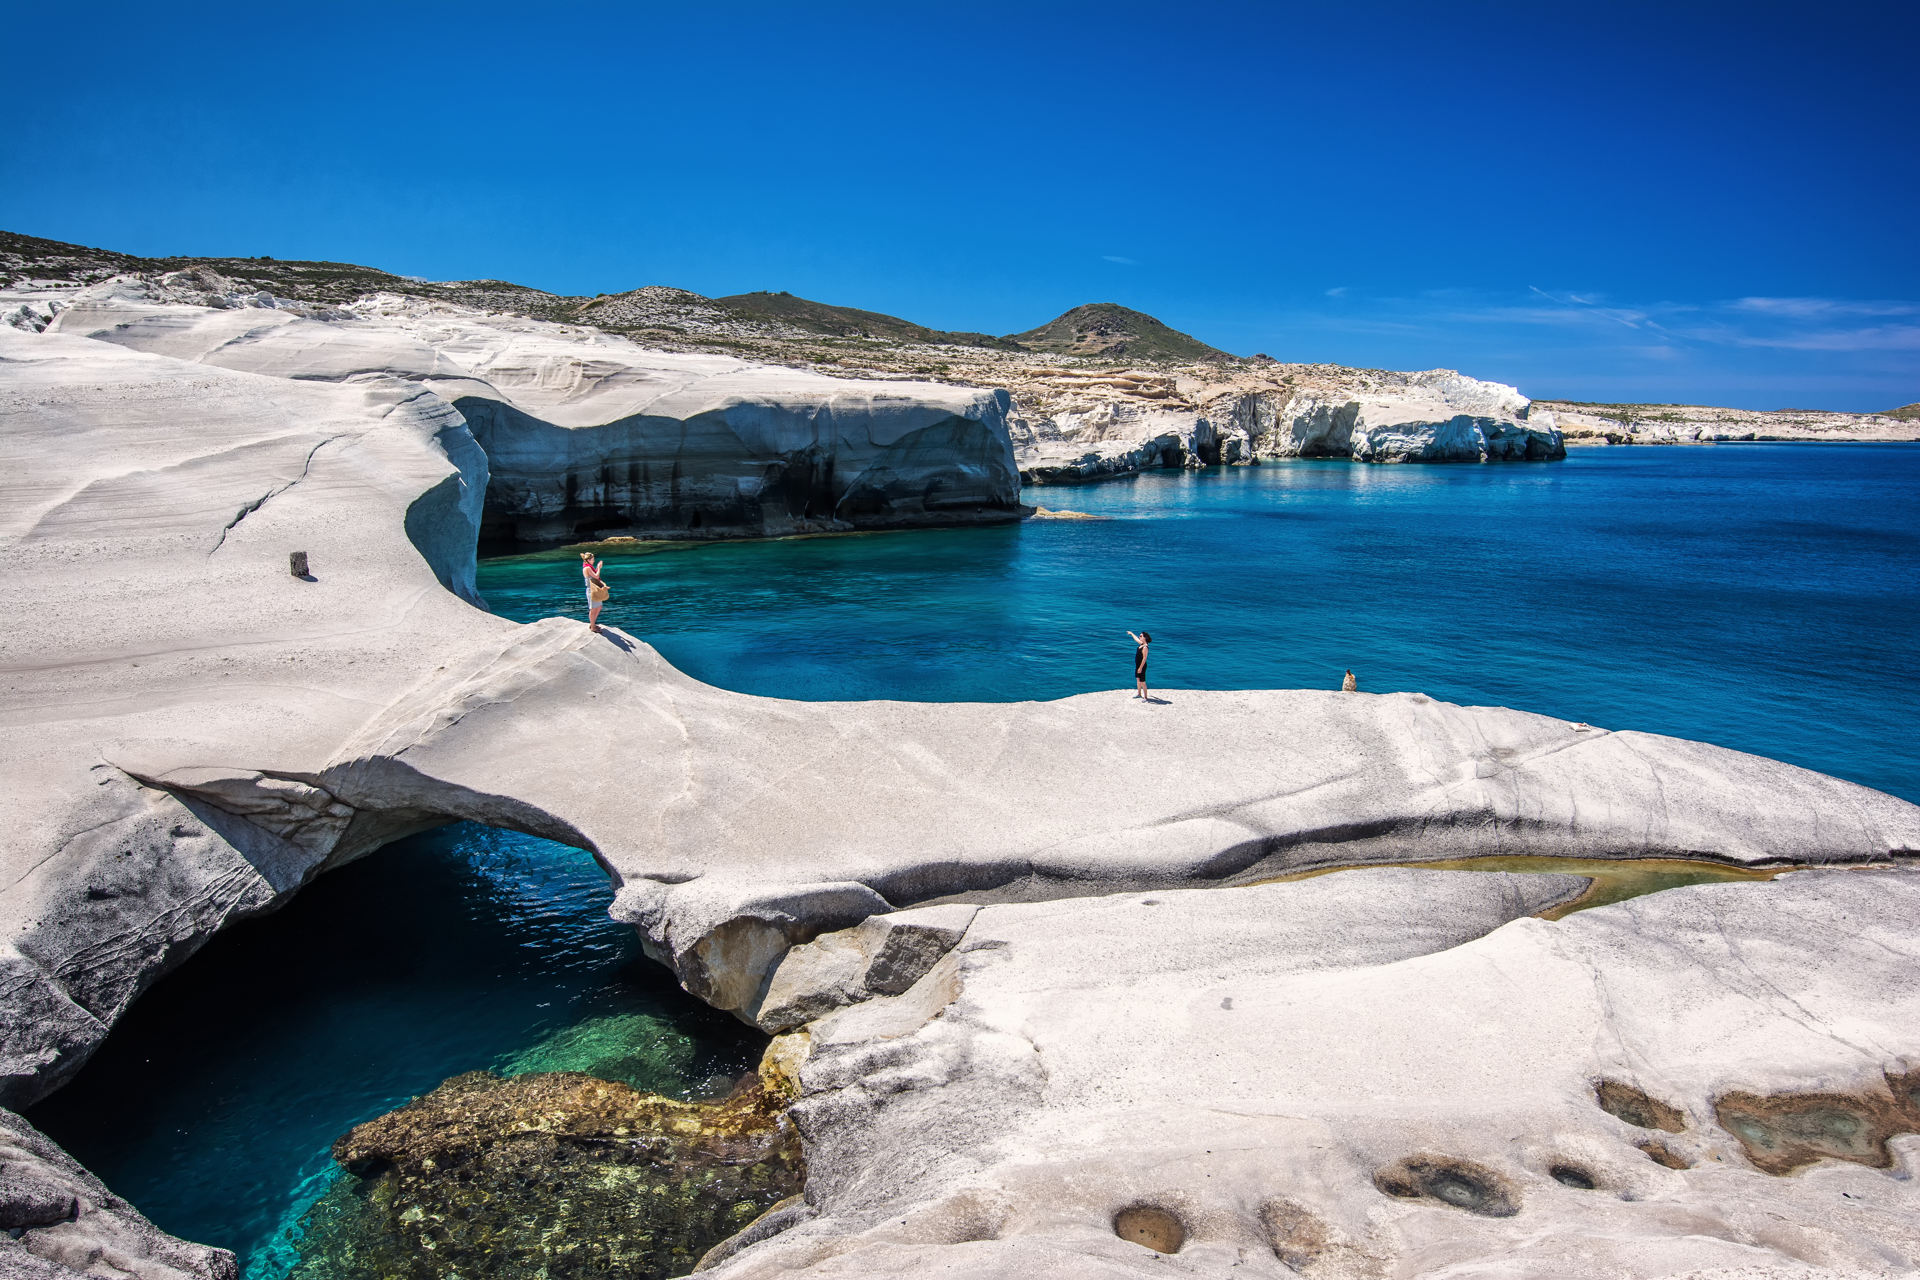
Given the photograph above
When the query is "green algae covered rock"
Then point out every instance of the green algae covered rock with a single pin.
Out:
(555, 1175)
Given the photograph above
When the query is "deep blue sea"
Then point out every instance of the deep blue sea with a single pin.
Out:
(1765, 597)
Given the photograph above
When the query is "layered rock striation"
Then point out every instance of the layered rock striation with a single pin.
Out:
(1050, 1005)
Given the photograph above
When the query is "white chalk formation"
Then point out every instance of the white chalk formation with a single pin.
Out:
(1438, 416)
(1036, 970)
(587, 434)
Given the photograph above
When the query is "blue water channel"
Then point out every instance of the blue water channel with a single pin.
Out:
(213, 1103)
(1765, 597)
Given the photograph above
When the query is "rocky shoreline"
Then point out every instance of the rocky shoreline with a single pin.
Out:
(1094, 428)
(1658, 424)
(1049, 1004)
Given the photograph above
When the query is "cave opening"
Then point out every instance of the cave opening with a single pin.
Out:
(214, 1102)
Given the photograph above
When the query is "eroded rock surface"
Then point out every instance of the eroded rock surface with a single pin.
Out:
(58, 1219)
(1371, 1073)
(1126, 422)
(586, 433)
(1034, 991)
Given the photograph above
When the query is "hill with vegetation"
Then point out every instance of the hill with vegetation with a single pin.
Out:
(26, 259)
(849, 322)
(1111, 331)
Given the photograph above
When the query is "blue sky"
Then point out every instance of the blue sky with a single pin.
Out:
(1614, 202)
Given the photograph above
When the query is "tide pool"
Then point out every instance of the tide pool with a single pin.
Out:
(214, 1101)
(1763, 597)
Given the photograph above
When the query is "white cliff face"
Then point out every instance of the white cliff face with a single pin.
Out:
(1033, 956)
(589, 435)
(1438, 416)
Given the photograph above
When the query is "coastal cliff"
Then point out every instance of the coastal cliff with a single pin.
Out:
(1037, 1014)
(1069, 429)
(587, 435)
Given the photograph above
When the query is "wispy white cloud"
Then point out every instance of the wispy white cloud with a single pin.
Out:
(1114, 257)
(1880, 337)
(1813, 308)
(1338, 291)
(1632, 319)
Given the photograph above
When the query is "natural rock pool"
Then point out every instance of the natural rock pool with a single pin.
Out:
(214, 1102)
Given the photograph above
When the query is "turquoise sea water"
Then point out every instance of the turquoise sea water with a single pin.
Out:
(1764, 597)
(213, 1103)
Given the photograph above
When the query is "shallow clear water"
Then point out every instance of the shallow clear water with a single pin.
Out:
(213, 1103)
(1765, 597)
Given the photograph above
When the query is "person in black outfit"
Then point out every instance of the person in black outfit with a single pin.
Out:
(1140, 663)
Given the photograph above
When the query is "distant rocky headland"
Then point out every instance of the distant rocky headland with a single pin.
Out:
(1589, 424)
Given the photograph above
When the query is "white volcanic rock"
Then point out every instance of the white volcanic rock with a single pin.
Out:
(1119, 438)
(753, 840)
(60, 1220)
(191, 733)
(587, 433)
(147, 510)
(1404, 429)
(1436, 416)
(1603, 424)
(1268, 1064)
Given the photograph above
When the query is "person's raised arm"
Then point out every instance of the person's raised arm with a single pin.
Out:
(1134, 638)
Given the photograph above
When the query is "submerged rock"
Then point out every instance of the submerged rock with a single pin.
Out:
(554, 1175)
(636, 1049)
